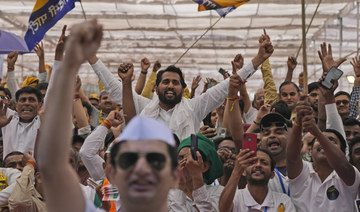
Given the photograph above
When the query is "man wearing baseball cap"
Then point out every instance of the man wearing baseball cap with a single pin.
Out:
(274, 134)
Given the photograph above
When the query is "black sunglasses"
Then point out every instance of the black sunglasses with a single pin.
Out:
(345, 102)
(155, 160)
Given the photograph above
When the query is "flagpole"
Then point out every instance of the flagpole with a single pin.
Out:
(82, 8)
(305, 74)
(307, 30)
(197, 40)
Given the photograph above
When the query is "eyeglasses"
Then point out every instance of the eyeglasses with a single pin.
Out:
(226, 147)
(155, 160)
(268, 125)
(345, 102)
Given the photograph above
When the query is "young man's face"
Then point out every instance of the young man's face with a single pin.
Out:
(355, 157)
(314, 98)
(27, 106)
(274, 139)
(14, 161)
(342, 105)
(141, 183)
(351, 132)
(290, 95)
(317, 152)
(259, 173)
(170, 90)
(106, 104)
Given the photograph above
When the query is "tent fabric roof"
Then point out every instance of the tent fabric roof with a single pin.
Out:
(163, 30)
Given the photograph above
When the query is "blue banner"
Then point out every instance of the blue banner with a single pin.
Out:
(46, 14)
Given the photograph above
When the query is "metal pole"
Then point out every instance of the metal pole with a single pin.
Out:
(305, 74)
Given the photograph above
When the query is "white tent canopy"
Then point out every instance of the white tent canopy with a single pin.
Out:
(163, 30)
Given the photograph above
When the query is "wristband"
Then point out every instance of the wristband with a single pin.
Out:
(107, 124)
(77, 96)
(31, 162)
(234, 100)
(144, 72)
(296, 124)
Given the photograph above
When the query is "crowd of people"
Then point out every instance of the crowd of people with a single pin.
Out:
(159, 147)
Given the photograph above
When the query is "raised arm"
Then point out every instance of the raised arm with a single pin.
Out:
(149, 86)
(79, 112)
(291, 63)
(194, 85)
(294, 162)
(125, 72)
(355, 94)
(232, 113)
(54, 141)
(145, 64)
(11, 80)
(39, 49)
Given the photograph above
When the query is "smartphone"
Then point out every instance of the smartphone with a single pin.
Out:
(222, 71)
(194, 146)
(334, 73)
(211, 84)
(249, 142)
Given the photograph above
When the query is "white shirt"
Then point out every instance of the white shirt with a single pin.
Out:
(250, 116)
(88, 153)
(310, 194)
(11, 176)
(206, 198)
(275, 183)
(243, 201)
(186, 116)
(19, 136)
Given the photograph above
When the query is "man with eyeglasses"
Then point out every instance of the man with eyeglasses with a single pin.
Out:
(227, 153)
(342, 100)
(274, 136)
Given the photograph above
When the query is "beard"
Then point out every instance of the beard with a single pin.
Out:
(314, 107)
(167, 101)
(260, 182)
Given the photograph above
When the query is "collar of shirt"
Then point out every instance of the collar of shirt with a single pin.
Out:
(249, 200)
(313, 173)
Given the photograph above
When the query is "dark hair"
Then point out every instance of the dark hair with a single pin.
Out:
(340, 137)
(88, 108)
(207, 120)
(42, 86)
(289, 83)
(108, 139)
(343, 93)
(6, 91)
(11, 154)
(78, 139)
(177, 140)
(29, 90)
(313, 86)
(218, 141)
(350, 121)
(272, 161)
(174, 69)
(172, 152)
(282, 108)
(353, 141)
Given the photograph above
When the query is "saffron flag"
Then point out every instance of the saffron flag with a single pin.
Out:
(46, 14)
(222, 7)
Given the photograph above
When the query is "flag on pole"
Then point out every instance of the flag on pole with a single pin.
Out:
(46, 14)
(222, 7)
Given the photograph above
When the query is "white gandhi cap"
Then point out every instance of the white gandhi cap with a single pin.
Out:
(145, 128)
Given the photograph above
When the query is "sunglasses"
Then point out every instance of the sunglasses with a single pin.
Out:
(231, 149)
(268, 125)
(156, 161)
(345, 102)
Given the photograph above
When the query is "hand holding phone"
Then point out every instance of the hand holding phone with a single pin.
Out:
(194, 146)
(249, 142)
(333, 73)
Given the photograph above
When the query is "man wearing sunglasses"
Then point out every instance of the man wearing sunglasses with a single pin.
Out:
(342, 100)
(143, 165)
(274, 135)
